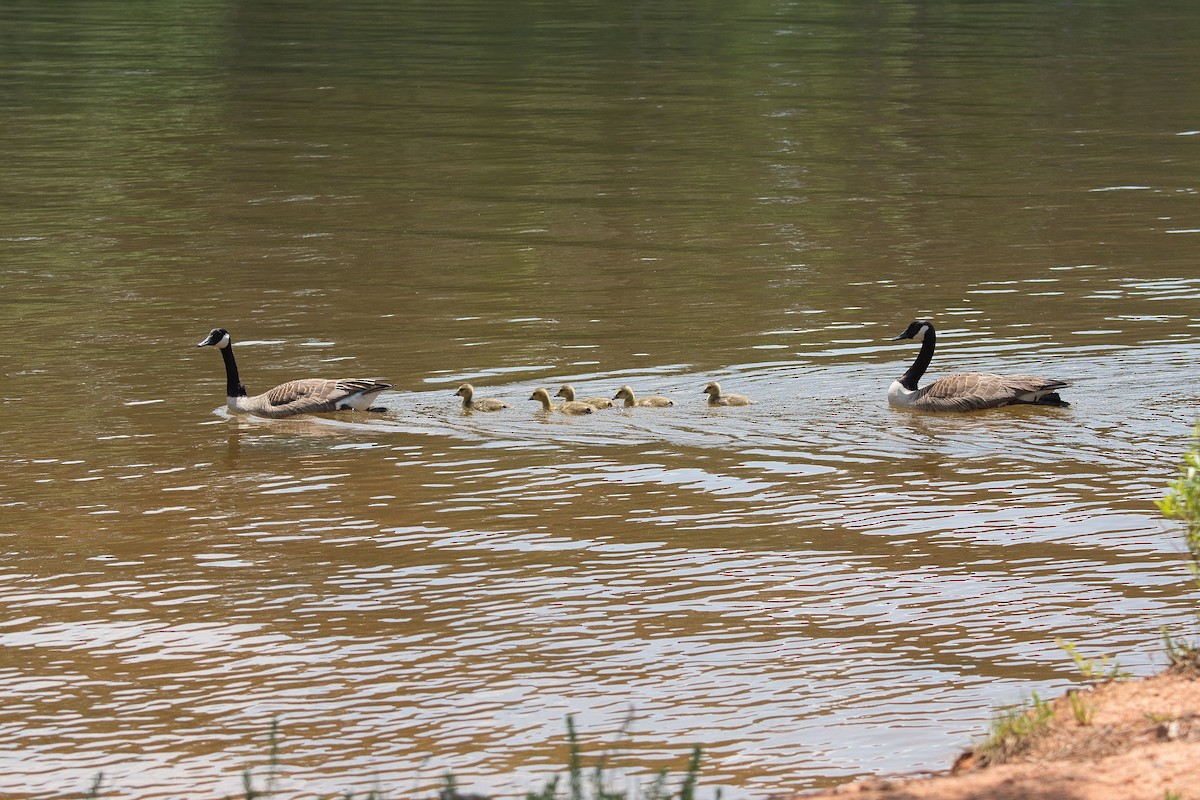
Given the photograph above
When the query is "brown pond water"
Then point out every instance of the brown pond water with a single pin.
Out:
(520, 195)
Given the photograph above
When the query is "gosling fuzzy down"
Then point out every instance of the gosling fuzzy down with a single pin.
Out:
(716, 398)
(654, 401)
(573, 408)
(567, 392)
(469, 403)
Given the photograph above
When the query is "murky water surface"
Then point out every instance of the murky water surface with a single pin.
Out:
(762, 193)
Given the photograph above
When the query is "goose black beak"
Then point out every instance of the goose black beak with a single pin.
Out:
(214, 337)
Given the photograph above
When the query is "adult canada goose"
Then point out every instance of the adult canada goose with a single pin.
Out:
(469, 403)
(305, 396)
(625, 393)
(715, 398)
(567, 392)
(568, 407)
(965, 391)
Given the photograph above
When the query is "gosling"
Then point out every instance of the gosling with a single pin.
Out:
(469, 403)
(715, 398)
(567, 392)
(569, 407)
(625, 393)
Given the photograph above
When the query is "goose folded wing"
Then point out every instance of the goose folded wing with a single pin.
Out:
(1031, 388)
(1024, 384)
(306, 396)
(349, 386)
(969, 391)
(966, 391)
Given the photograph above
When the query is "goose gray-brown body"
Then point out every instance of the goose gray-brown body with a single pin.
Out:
(567, 392)
(569, 407)
(626, 393)
(469, 403)
(305, 396)
(715, 398)
(965, 391)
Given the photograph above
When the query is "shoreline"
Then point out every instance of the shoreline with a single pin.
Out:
(1123, 739)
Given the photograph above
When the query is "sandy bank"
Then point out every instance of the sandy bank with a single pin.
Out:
(1128, 740)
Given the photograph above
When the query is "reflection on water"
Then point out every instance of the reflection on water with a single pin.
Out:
(811, 587)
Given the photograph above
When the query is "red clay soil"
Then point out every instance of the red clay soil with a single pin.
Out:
(1142, 742)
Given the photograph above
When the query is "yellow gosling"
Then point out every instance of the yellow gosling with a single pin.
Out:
(625, 393)
(715, 398)
(567, 392)
(469, 403)
(572, 408)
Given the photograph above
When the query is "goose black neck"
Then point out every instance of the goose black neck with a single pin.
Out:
(909, 381)
(233, 386)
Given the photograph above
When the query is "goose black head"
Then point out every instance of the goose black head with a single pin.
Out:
(218, 337)
(916, 331)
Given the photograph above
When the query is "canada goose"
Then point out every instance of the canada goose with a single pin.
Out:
(965, 391)
(626, 394)
(567, 392)
(715, 398)
(305, 396)
(469, 403)
(568, 407)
